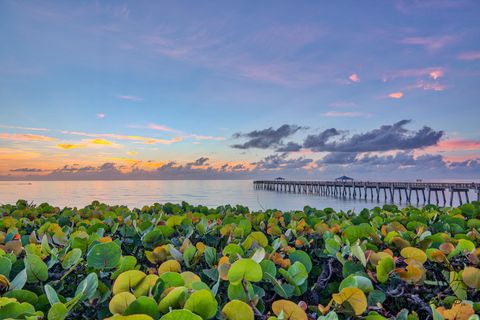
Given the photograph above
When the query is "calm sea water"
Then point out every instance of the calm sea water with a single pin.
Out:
(211, 193)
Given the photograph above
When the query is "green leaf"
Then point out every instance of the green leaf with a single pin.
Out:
(51, 294)
(360, 282)
(303, 257)
(297, 273)
(245, 269)
(58, 311)
(180, 315)
(104, 255)
(71, 258)
(88, 286)
(384, 267)
(174, 299)
(37, 270)
(203, 303)
(237, 310)
(5, 266)
(143, 305)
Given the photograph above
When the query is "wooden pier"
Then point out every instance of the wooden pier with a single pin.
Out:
(386, 191)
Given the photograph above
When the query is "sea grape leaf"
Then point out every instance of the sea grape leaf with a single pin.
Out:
(120, 302)
(245, 269)
(37, 270)
(384, 267)
(352, 299)
(289, 310)
(471, 277)
(237, 310)
(104, 255)
(203, 303)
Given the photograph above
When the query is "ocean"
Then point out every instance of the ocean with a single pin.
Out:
(136, 194)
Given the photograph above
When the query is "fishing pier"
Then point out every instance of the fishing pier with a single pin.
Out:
(387, 191)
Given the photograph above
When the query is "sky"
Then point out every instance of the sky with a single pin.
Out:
(239, 89)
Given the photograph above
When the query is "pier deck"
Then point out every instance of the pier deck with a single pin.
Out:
(376, 190)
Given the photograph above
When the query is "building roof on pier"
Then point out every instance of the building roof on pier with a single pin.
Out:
(344, 178)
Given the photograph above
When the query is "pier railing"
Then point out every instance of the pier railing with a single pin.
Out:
(361, 189)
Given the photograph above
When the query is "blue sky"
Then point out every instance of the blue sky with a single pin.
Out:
(146, 86)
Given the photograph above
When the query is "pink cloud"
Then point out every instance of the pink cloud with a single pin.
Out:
(469, 56)
(129, 98)
(456, 145)
(430, 86)
(346, 114)
(431, 43)
(435, 74)
(354, 77)
(159, 127)
(396, 95)
(100, 115)
(25, 137)
(415, 73)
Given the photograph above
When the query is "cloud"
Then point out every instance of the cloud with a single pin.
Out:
(27, 170)
(430, 43)
(100, 115)
(387, 137)
(23, 128)
(129, 98)
(100, 142)
(342, 104)
(17, 155)
(338, 158)
(469, 56)
(159, 127)
(354, 77)
(290, 147)
(435, 74)
(350, 114)
(199, 162)
(68, 146)
(138, 139)
(396, 95)
(414, 73)
(455, 145)
(25, 137)
(266, 138)
(131, 153)
(280, 161)
(430, 86)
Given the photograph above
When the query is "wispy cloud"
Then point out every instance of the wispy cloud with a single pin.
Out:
(430, 86)
(159, 127)
(138, 139)
(396, 95)
(101, 115)
(15, 154)
(350, 114)
(432, 72)
(430, 43)
(25, 137)
(469, 56)
(23, 128)
(129, 98)
(68, 146)
(342, 104)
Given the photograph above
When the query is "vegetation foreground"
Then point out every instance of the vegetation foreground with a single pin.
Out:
(192, 263)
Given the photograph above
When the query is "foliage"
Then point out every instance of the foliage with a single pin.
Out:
(192, 262)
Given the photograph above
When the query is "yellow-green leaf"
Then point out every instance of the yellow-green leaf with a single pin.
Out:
(352, 298)
(291, 311)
